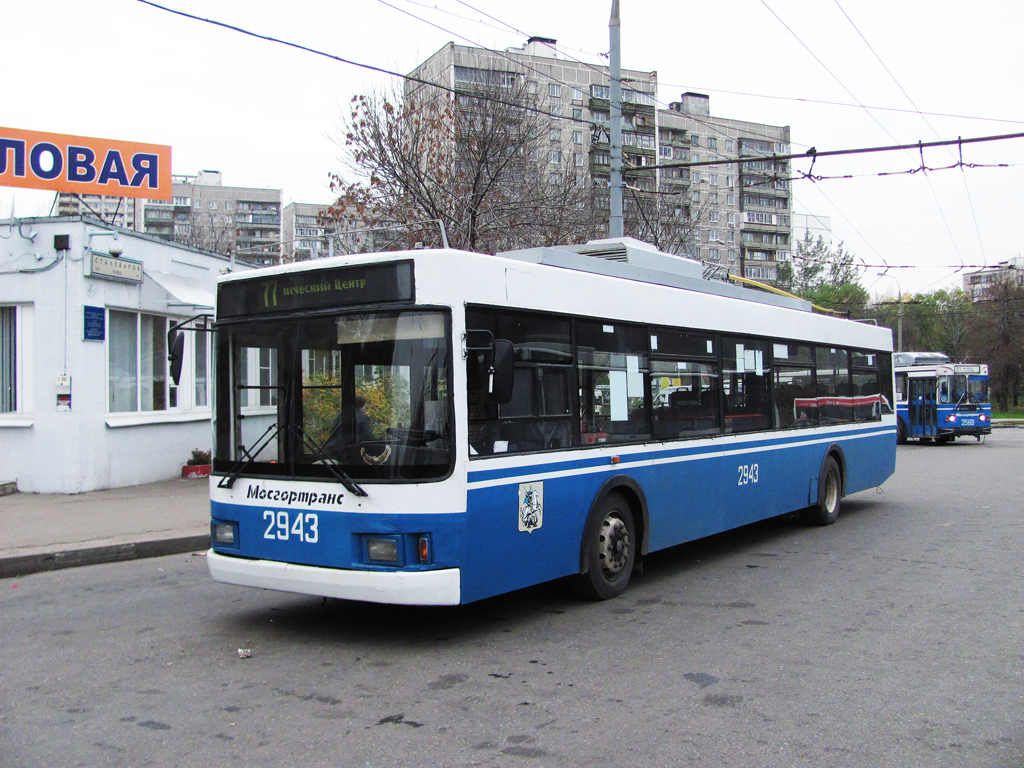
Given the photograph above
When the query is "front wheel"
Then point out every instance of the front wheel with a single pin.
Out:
(611, 549)
(830, 491)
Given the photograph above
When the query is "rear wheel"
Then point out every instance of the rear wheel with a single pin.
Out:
(611, 549)
(830, 491)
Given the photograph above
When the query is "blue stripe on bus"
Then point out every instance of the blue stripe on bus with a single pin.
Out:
(702, 450)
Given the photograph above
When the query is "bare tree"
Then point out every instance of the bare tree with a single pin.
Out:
(666, 216)
(487, 163)
(205, 230)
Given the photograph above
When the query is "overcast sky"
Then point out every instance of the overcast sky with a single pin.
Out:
(266, 115)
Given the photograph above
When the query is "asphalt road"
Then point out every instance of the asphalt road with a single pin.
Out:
(892, 638)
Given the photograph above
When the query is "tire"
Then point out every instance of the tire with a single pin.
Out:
(611, 546)
(830, 491)
(901, 433)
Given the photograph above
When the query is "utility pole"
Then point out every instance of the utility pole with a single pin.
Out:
(899, 310)
(615, 225)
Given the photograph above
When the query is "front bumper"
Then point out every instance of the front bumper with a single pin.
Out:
(440, 587)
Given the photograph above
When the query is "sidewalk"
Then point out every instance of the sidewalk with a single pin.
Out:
(50, 531)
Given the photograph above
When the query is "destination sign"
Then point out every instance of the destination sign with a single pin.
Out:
(317, 289)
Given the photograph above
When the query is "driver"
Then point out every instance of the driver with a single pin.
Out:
(363, 431)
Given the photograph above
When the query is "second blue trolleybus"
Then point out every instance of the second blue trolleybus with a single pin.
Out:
(937, 400)
(437, 427)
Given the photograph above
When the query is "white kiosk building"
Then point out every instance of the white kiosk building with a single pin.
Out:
(86, 401)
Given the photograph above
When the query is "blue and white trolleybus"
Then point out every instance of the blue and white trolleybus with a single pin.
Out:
(937, 400)
(437, 427)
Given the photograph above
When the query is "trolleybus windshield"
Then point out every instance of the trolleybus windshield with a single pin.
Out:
(365, 395)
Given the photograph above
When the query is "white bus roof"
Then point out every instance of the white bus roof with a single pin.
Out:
(566, 280)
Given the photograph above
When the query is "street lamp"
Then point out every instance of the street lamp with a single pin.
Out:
(899, 310)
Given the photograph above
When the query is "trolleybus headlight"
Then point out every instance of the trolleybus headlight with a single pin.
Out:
(382, 550)
(983, 417)
(951, 418)
(224, 534)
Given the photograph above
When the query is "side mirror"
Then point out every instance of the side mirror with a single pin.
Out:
(176, 347)
(501, 375)
(494, 367)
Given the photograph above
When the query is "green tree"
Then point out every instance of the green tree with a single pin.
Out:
(825, 276)
(998, 339)
(950, 317)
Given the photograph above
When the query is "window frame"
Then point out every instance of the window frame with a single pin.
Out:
(180, 400)
(22, 352)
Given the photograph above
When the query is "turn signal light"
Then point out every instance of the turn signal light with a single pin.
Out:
(423, 549)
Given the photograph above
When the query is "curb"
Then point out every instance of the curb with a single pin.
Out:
(23, 565)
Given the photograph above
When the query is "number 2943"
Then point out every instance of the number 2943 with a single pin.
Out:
(747, 474)
(281, 526)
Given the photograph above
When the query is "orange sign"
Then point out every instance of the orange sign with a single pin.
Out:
(87, 166)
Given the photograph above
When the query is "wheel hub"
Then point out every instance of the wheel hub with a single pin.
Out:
(613, 546)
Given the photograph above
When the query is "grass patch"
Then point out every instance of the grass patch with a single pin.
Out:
(1012, 413)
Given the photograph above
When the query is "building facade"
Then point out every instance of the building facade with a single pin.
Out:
(734, 215)
(979, 284)
(303, 233)
(243, 221)
(86, 400)
(740, 203)
(203, 213)
(124, 212)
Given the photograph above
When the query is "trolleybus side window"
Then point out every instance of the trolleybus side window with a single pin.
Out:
(795, 403)
(834, 387)
(539, 415)
(684, 385)
(867, 386)
(746, 379)
(613, 367)
(885, 384)
(901, 387)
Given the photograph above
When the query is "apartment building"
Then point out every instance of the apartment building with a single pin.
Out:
(124, 212)
(979, 283)
(303, 235)
(205, 214)
(740, 197)
(734, 215)
(240, 221)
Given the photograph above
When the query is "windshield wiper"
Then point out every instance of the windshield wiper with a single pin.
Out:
(268, 435)
(329, 461)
